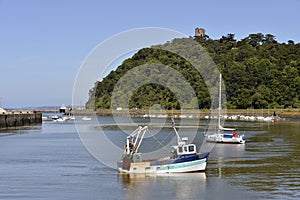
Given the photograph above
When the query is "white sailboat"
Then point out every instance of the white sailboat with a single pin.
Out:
(225, 135)
(184, 158)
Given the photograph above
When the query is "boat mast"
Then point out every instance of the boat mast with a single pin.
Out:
(220, 103)
(179, 140)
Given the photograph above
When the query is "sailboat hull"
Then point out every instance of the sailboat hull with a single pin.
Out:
(225, 138)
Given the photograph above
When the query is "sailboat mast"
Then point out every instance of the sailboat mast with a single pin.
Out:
(220, 102)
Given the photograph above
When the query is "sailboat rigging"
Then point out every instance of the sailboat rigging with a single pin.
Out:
(224, 135)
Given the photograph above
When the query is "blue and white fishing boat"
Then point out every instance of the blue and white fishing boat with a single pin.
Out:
(225, 135)
(184, 157)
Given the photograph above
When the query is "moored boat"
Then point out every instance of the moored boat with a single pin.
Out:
(224, 135)
(86, 118)
(184, 157)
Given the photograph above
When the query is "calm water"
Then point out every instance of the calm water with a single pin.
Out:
(50, 162)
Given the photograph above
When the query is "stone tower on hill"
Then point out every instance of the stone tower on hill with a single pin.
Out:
(200, 32)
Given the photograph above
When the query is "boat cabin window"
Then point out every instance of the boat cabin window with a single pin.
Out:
(187, 149)
(180, 150)
(191, 148)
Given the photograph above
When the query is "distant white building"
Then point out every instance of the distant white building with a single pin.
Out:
(2, 111)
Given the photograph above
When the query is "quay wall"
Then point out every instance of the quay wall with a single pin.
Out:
(20, 118)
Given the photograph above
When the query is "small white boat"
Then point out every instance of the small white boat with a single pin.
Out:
(2, 111)
(54, 117)
(61, 119)
(44, 118)
(62, 109)
(225, 135)
(184, 157)
(86, 119)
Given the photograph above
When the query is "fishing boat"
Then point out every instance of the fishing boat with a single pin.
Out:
(184, 156)
(225, 135)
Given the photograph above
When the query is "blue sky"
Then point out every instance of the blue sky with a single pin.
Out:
(43, 43)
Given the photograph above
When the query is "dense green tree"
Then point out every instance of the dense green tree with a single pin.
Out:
(269, 38)
(258, 72)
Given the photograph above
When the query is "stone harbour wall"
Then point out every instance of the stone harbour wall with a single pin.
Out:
(20, 118)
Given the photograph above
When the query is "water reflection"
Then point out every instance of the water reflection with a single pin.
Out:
(49, 162)
(178, 186)
(270, 163)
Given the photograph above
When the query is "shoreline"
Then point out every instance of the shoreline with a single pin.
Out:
(279, 113)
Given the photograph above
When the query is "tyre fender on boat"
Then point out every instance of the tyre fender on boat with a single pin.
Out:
(132, 147)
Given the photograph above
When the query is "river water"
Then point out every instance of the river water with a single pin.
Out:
(50, 162)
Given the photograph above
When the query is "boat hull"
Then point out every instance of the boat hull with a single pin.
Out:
(187, 164)
(221, 138)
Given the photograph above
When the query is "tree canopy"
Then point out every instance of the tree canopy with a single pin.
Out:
(258, 72)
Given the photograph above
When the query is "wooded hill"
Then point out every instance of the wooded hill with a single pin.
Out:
(258, 72)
